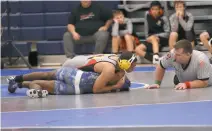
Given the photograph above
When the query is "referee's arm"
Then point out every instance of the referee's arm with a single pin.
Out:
(203, 74)
(165, 62)
(198, 83)
(159, 73)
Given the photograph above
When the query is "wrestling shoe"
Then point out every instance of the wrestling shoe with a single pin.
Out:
(34, 93)
(12, 84)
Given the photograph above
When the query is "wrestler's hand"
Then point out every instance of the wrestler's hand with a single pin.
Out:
(76, 36)
(119, 84)
(181, 86)
(153, 86)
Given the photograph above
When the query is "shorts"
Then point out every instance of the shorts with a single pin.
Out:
(123, 45)
(72, 81)
(188, 35)
(163, 43)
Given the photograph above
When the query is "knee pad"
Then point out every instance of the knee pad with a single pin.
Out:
(176, 80)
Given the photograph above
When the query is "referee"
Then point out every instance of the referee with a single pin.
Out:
(192, 68)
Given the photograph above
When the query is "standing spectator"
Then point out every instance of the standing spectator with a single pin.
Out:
(156, 31)
(206, 39)
(88, 23)
(182, 25)
(122, 32)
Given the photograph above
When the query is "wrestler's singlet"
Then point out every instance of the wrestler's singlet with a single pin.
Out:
(71, 81)
(89, 66)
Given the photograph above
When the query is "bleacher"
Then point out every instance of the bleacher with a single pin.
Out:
(45, 22)
(42, 23)
(202, 12)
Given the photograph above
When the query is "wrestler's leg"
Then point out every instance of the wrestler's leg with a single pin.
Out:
(62, 74)
(38, 88)
(63, 85)
(39, 85)
(36, 76)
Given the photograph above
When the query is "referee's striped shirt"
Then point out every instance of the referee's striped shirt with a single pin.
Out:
(199, 67)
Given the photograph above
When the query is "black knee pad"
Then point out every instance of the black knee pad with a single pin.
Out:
(176, 80)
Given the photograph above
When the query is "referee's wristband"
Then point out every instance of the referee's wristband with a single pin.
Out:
(157, 82)
(188, 85)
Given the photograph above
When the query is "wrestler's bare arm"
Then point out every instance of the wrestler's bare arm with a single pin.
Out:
(100, 85)
(120, 82)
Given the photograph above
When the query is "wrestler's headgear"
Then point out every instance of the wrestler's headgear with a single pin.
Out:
(126, 59)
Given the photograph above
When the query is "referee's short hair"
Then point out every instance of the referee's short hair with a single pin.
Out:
(185, 45)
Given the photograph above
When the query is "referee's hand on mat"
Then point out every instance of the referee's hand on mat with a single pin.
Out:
(181, 86)
(153, 86)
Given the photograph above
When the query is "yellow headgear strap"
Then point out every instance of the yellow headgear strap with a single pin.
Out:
(125, 64)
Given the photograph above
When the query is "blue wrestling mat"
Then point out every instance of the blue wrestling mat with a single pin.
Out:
(137, 115)
(141, 108)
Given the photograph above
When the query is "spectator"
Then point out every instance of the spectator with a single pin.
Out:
(156, 31)
(206, 39)
(88, 23)
(182, 25)
(122, 32)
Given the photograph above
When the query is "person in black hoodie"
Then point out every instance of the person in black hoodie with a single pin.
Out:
(157, 30)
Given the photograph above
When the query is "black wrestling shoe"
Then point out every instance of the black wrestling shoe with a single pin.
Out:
(12, 84)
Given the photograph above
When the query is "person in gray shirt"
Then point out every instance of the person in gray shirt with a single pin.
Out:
(122, 30)
(206, 39)
(182, 25)
(192, 67)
